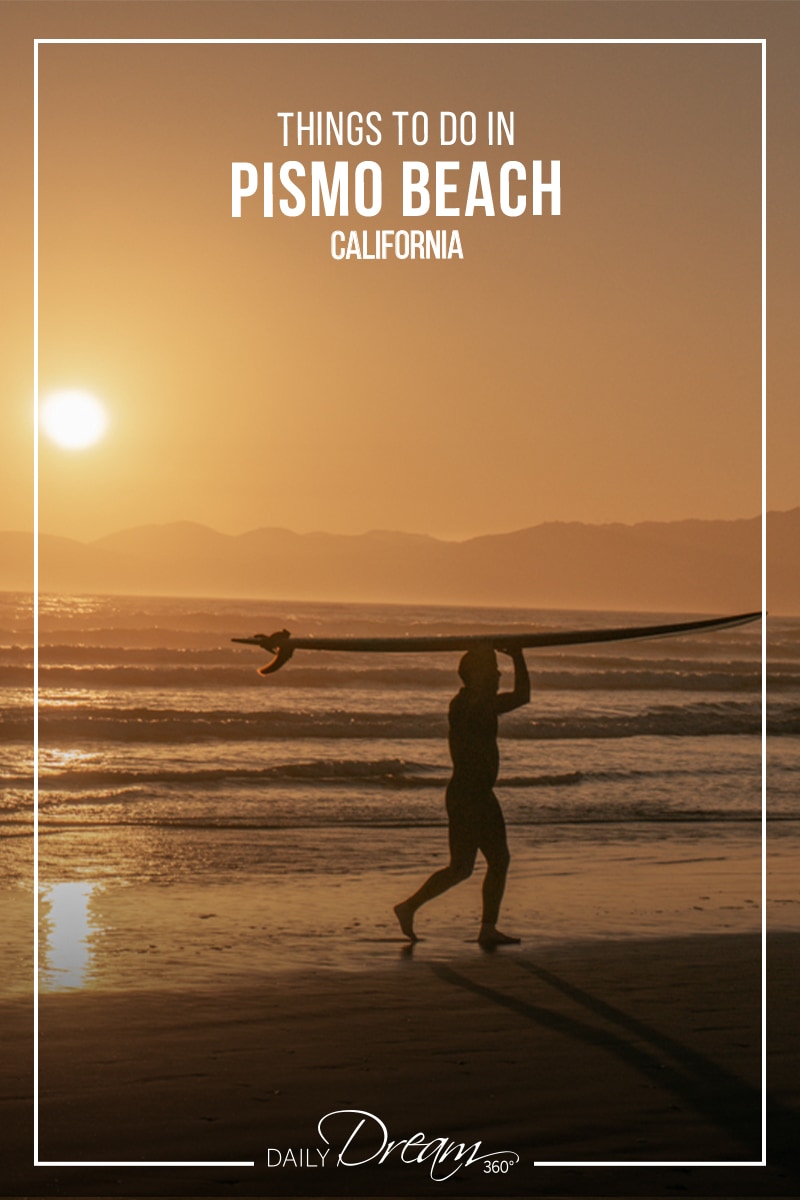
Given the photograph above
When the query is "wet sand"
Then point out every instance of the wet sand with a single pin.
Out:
(229, 933)
(203, 1031)
(499, 1046)
(635, 1051)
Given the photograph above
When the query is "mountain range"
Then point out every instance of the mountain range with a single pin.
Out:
(677, 566)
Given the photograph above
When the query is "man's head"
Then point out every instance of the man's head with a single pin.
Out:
(478, 669)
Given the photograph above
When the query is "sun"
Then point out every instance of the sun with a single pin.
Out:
(73, 419)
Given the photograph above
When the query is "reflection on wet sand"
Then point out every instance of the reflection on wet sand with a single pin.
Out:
(66, 926)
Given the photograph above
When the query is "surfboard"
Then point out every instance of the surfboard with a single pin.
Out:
(282, 645)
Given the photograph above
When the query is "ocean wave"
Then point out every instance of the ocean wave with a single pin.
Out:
(373, 821)
(386, 773)
(648, 677)
(86, 723)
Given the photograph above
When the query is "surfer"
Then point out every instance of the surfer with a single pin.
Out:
(474, 816)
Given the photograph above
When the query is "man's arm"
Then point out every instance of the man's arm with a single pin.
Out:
(507, 701)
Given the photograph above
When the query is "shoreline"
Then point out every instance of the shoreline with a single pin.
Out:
(220, 933)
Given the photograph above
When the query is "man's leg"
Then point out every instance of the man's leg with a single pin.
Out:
(463, 849)
(493, 844)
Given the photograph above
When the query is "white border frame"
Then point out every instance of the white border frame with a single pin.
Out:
(401, 41)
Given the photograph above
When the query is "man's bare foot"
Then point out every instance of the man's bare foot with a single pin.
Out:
(405, 915)
(491, 936)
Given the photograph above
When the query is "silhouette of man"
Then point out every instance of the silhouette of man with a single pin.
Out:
(474, 815)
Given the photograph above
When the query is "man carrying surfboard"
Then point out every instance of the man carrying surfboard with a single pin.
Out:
(475, 819)
(474, 815)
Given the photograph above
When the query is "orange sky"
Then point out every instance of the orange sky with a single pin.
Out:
(598, 366)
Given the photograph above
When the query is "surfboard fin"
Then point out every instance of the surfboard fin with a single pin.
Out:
(277, 643)
(282, 656)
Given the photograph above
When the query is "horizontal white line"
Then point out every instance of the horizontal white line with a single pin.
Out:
(401, 41)
(108, 1163)
(668, 1163)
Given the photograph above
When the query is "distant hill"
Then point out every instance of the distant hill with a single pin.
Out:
(680, 566)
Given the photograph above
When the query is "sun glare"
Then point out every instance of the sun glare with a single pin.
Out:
(73, 419)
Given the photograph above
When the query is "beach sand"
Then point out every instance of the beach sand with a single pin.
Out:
(590, 1049)
(229, 931)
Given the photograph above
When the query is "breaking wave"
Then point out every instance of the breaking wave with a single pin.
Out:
(87, 723)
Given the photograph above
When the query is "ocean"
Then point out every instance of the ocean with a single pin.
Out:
(165, 759)
(181, 795)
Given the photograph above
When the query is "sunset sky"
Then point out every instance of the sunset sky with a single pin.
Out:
(602, 365)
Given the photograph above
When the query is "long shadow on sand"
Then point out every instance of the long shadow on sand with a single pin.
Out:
(702, 1066)
(780, 1120)
(712, 1090)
